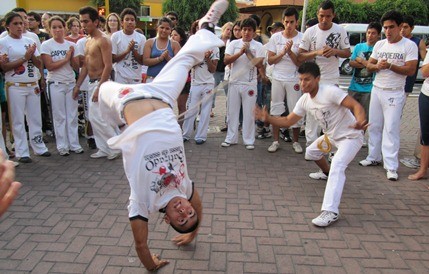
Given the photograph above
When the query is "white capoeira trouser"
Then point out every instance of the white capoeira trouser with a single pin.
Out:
(102, 130)
(239, 94)
(281, 90)
(312, 128)
(385, 111)
(23, 100)
(64, 112)
(197, 94)
(152, 147)
(347, 150)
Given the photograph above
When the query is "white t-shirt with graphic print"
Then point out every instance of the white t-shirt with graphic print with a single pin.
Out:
(154, 162)
(242, 70)
(397, 53)
(58, 51)
(285, 69)
(334, 119)
(314, 39)
(200, 73)
(128, 67)
(15, 49)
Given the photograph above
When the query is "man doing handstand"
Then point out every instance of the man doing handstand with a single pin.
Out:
(152, 145)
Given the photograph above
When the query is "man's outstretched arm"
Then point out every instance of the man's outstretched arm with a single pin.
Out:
(140, 232)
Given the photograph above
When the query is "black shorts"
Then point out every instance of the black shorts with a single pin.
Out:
(424, 118)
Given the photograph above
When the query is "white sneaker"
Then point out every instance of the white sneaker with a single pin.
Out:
(297, 147)
(411, 162)
(113, 156)
(274, 146)
(392, 175)
(215, 12)
(325, 218)
(319, 175)
(98, 154)
(369, 163)
(250, 147)
(64, 152)
(225, 144)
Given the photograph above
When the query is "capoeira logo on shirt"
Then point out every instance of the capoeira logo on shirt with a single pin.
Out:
(333, 40)
(323, 117)
(169, 167)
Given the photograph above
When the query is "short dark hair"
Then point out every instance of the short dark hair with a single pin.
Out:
(392, 15)
(128, 11)
(189, 230)
(165, 20)
(256, 18)
(102, 19)
(311, 22)
(249, 22)
(290, 12)
(19, 10)
(36, 16)
(10, 16)
(56, 18)
(236, 23)
(182, 34)
(375, 25)
(173, 13)
(326, 5)
(409, 20)
(92, 12)
(311, 68)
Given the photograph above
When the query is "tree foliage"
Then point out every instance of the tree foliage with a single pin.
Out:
(119, 5)
(191, 10)
(348, 11)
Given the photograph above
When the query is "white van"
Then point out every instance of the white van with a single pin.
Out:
(357, 34)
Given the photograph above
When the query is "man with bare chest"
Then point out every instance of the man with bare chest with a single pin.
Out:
(97, 65)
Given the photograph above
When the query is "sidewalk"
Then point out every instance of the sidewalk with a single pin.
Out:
(71, 215)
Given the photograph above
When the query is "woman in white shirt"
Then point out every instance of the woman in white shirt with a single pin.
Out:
(58, 57)
(22, 75)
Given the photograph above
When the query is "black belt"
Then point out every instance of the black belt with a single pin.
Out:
(91, 81)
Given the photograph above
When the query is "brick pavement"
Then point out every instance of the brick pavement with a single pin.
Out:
(71, 215)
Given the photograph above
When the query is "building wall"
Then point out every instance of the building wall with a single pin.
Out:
(53, 6)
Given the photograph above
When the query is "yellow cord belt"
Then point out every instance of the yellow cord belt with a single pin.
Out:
(324, 145)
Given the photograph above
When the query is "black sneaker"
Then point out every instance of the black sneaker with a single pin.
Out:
(284, 135)
(91, 143)
(25, 160)
(45, 154)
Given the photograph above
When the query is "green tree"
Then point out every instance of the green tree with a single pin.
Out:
(348, 11)
(415, 8)
(119, 5)
(191, 10)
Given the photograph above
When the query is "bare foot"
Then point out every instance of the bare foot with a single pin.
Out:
(417, 176)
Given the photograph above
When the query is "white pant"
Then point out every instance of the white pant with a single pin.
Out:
(64, 113)
(166, 86)
(281, 90)
(2, 142)
(241, 95)
(101, 129)
(197, 94)
(347, 150)
(23, 101)
(123, 80)
(385, 111)
(312, 128)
